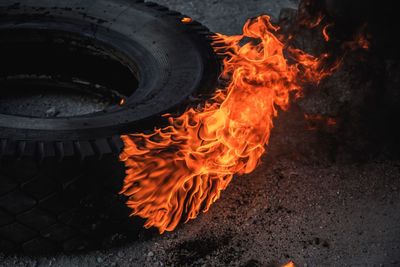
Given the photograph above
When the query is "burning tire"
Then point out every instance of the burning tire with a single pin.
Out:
(73, 77)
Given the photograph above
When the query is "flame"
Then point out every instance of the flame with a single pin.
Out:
(325, 32)
(178, 171)
(290, 264)
(360, 42)
(186, 20)
(363, 42)
(313, 22)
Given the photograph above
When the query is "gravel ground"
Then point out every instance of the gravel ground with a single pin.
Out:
(315, 213)
(298, 205)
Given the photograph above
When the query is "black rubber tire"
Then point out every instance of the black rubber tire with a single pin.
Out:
(68, 206)
(60, 177)
(173, 61)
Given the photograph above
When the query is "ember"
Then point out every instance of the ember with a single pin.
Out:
(360, 42)
(186, 20)
(325, 32)
(289, 264)
(316, 120)
(180, 170)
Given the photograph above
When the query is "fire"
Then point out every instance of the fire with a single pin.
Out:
(360, 42)
(363, 42)
(311, 22)
(186, 20)
(289, 264)
(325, 32)
(178, 171)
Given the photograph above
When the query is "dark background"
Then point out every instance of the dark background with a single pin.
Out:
(326, 196)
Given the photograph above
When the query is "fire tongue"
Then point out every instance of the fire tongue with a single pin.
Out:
(178, 171)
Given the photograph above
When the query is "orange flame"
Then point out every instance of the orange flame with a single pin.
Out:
(289, 264)
(312, 23)
(186, 20)
(325, 32)
(363, 42)
(180, 170)
(360, 42)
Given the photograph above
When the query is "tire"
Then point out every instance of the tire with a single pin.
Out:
(68, 206)
(59, 173)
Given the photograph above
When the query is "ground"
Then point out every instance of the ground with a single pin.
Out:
(299, 205)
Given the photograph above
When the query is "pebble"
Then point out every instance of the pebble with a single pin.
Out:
(99, 260)
(150, 254)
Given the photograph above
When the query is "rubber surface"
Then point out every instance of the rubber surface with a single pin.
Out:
(60, 177)
(65, 206)
(173, 61)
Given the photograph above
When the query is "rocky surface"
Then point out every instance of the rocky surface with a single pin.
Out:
(311, 200)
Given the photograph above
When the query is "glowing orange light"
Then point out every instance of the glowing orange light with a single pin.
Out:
(331, 121)
(325, 32)
(360, 41)
(178, 171)
(312, 23)
(316, 121)
(186, 20)
(289, 264)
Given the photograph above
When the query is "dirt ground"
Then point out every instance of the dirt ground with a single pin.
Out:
(301, 204)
